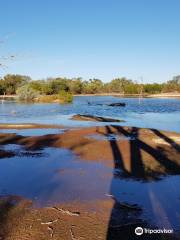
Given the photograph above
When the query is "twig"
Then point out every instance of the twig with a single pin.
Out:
(50, 222)
(72, 234)
(66, 211)
(50, 228)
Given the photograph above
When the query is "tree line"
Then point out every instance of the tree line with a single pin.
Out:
(11, 83)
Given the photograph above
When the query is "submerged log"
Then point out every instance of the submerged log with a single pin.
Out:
(82, 117)
(116, 104)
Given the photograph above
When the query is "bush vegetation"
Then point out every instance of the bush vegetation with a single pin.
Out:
(62, 97)
(65, 97)
(52, 89)
(47, 98)
(27, 94)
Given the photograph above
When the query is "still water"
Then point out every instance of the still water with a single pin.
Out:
(50, 176)
(162, 114)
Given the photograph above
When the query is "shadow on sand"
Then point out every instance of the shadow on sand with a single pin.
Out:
(125, 218)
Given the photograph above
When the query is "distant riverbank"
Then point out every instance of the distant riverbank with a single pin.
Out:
(165, 95)
(160, 95)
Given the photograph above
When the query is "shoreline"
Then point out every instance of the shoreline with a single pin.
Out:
(160, 95)
(29, 126)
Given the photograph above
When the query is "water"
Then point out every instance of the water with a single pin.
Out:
(162, 114)
(159, 200)
(50, 176)
(34, 131)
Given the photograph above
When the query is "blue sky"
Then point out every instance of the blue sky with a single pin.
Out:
(91, 38)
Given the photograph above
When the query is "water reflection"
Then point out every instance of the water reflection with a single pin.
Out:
(51, 175)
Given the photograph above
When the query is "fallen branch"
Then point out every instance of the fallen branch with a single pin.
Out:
(66, 211)
(50, 222)
(50, 229)
(72, 234)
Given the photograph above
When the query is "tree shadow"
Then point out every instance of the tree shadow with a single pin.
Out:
(124, 218)
(5, 207)
(137, 165)
(7, 204)
(168, 140)
(123, 221)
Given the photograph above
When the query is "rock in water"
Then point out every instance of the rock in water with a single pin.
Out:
(82, 117)
(117, 104)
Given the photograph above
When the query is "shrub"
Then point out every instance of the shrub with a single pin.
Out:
(47, 98)
(65, 97)
(62, 97)
(27, 94)
(58, 84)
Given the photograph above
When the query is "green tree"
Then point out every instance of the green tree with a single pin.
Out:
(12, 82)
(93, 86)
(152, 88)
(37, 85)
(120, 85)
(172, 85)
(58, 84)
(76, 85)
(2, 87)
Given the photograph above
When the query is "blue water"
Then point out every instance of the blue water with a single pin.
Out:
(162, 114)
(34, 131)
(49, 176)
